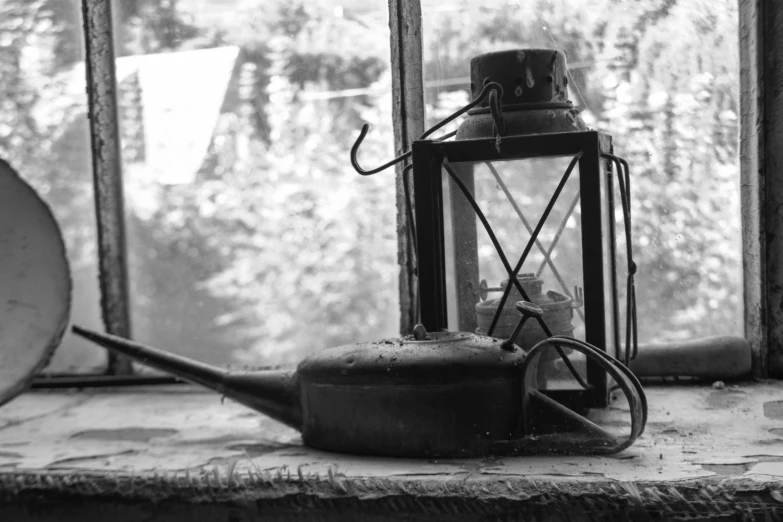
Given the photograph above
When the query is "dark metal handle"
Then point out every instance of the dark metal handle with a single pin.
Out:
(497, 111)
(528, 310)
(355, 150)
(490, 87)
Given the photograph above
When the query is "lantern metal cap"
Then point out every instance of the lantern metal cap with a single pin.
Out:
(533, 95)
(528, 76)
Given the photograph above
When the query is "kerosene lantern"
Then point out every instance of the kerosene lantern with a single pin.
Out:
(521, 206)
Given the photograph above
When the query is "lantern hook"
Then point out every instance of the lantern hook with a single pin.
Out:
(490, 87)
(355, 150)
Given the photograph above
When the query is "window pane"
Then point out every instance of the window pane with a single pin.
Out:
(44, 135)
(552, 272)
(251, 239)
(660, 77)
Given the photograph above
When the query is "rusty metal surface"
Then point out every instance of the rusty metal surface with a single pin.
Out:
(107, 173)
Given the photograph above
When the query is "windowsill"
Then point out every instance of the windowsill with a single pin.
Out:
(178, 445)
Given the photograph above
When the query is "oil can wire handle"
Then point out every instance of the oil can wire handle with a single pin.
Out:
(597, 352)
(489, 87)
(628, 382)
(507, 265)
(631, 334)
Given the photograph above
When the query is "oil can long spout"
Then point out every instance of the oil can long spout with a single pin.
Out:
(272, 392)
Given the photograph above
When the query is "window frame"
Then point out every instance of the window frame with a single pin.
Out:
(761, 193)
(761, 126)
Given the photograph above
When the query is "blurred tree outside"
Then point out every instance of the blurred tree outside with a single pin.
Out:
(277, 248)
(660, 76)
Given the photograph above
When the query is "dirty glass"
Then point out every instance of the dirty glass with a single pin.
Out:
(552, 271)
(45, 137)
(252, 241)
(661, 77)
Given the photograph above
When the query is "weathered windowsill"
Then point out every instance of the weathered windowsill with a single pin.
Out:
(126, 452)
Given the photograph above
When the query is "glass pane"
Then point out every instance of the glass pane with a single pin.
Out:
(252, 240)
(662, 80)
(515, 196)
(44, 135)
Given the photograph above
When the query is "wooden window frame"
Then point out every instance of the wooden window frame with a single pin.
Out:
(761, 180)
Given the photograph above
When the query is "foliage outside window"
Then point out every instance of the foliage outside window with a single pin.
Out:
(252, 241)
(660, 76)
(266, 245)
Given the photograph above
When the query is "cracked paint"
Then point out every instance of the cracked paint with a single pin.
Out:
(773, 409)
(176, 431)
(725, 398)
(132, 434)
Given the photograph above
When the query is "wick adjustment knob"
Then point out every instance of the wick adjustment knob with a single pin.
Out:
(528, 310)
(484, 289)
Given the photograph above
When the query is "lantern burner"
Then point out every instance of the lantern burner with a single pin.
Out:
(557, 311)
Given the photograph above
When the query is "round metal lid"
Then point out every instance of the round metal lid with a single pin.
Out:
(35, 284)
(526, 75)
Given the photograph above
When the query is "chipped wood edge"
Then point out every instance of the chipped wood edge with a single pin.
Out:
(333, 492)
(107, 174)
(408, 120)
(752, 179)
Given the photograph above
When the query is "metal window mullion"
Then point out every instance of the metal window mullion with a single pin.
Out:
(107, 173)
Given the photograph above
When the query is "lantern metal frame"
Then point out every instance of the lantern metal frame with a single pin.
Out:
(592, 148)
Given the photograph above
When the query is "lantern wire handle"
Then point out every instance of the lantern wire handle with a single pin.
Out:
(631, 264)
(497, 111)
(489, 87)
(631, 334)
(355, 150)
(512, 276)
